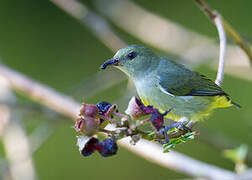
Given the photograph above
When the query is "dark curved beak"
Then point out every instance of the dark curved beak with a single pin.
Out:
(110, 62)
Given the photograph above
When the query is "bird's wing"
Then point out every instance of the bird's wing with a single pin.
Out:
(188, 84)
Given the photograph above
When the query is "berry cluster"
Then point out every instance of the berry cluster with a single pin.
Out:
(93, 119)
(90, 120)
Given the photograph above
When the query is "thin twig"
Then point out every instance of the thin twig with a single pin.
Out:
(229, 29)
(222, 36)
(15, 140)
(152, 152)
(217, 19)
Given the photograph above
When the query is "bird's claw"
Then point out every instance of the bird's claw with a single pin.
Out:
(163, 131)
(181, 125)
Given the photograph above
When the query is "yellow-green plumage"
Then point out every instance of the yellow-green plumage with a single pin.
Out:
(217, 102)
(166, 84)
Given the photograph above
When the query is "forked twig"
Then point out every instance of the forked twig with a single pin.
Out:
(212, 14)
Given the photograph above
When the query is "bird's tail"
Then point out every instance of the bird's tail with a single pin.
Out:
(224, 101)
(235, 104)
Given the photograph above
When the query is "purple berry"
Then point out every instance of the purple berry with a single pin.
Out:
(90, 147)
(103, 107)
(107, 147)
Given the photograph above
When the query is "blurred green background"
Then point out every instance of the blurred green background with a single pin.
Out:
(43, 42)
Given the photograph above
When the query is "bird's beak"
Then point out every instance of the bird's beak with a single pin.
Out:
(110, 62)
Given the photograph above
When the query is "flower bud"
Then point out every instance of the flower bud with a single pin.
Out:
(90, 125)
(134, 109)
(87, 125)
(79, 125)
(89, 110)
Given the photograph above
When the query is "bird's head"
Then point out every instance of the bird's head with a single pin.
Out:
(132, 60)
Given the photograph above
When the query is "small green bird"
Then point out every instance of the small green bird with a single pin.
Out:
(166, 84)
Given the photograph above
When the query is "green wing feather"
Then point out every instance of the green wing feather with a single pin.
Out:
(188, 83)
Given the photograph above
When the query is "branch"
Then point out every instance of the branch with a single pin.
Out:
(230, 30)
(222, 36)
(152, 152)
(177, 162)
(40, 93)
(15, 140)
(245, 176)
(217, 19)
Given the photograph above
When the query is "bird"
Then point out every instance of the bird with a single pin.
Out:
(169, 85)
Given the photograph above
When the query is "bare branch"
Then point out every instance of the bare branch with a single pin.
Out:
(19, 157)
(247, 175)
(222, 54)
(217, 19)
(15, 140)
(174, 160)
(43, 95)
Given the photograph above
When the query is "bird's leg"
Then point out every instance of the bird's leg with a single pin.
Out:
(180, 125)
(165, 129)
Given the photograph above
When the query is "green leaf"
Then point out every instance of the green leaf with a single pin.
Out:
(173, 142)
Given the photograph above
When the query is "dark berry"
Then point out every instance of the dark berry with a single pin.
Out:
(103, 107)
(107, 147)
(90, 147)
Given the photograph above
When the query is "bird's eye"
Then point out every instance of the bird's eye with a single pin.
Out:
(132, 55)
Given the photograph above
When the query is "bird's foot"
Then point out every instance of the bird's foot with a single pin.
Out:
(181, 125)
